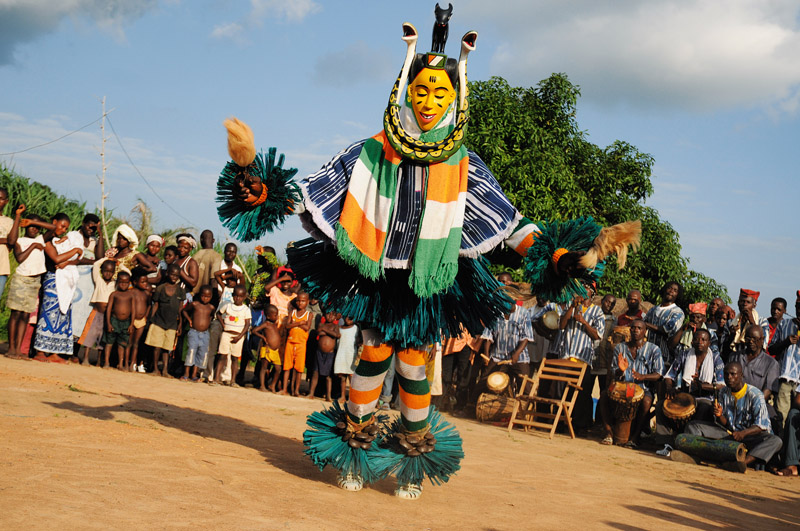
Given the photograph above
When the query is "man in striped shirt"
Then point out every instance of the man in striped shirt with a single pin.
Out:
(740, 414)
(581, 325)
(505, 343)
(665, 320)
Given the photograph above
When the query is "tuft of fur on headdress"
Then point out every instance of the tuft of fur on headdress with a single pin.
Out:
(241, 145)
(613, 240)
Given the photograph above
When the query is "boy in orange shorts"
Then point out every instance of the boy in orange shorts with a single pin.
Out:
(297, 325)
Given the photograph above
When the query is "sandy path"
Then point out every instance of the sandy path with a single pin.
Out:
(88, 448)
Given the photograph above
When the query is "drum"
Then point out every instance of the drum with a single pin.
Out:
(625, 398)
(680, 409)
(714, 450)
(550, 320)
(494, 408)
(497, 382)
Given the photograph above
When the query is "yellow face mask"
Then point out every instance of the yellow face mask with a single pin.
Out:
(431, 94)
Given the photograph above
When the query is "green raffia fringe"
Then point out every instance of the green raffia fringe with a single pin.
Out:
(390, 305)
(438, 466)
(246, 222)
(324, 445)
(574, 235)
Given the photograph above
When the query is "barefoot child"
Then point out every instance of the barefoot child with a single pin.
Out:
(118, 321)
(327, 334)
(346, 354)
(270, 343)
(103, 275)
(198, 314)
(297, 325)
(23, 289)
(141, 307)
(165, 318)
(235, 318)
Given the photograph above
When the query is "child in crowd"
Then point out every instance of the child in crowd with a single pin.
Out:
(198, 314)
(346, 354)
(327, 334)
(118, 321)
(165, 318)
(270, 343)
(170, 255)
(297, 326)
(103, 275)
(225, 281)
(228, 267)
(153, 246)
(23, 289)
(141, 307)
(235, 318)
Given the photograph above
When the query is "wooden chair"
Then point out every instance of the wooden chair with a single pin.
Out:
(525, 412)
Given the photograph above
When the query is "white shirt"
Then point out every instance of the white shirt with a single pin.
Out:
(33, 265)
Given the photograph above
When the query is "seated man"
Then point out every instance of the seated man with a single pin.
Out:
(790, 456)
(741, 415)
(640, 362)
(759, 369)
(697, 371)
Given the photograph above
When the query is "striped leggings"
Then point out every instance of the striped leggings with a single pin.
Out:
(415, 393)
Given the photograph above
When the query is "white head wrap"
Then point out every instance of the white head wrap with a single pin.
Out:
(127, 233)
(154, 238)
(189, 239)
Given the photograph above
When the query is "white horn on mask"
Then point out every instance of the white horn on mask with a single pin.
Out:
(467, 46)
(410, 36)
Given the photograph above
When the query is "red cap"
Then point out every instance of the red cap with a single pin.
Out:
(698, 307)
(749, 293)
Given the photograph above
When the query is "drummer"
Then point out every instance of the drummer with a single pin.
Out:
(697, 371)
(505, 344)
(640, 362)
(740, 414)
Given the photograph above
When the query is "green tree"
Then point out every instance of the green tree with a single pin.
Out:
(530, 139)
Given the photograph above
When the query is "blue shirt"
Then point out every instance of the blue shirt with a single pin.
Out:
(748, 411)
(506, 335)
(648, 361)
(573, 341)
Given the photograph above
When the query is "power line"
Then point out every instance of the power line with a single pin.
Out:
(143, 177)
(53, 141)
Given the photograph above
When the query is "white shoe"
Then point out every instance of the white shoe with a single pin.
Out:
(666, 451)
(140, 368)
(351, 482)
(409, 491)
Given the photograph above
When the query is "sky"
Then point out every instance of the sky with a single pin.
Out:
(710, 89)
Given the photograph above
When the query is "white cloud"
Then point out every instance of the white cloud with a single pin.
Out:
(25, 20)
(690, 54)
(261, 10)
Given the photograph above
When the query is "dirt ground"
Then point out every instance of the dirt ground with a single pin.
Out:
(97, 449)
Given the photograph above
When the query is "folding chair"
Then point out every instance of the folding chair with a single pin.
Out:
(526, 413)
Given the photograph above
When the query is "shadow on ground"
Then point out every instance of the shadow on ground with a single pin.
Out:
(283, 453)
(752, 513)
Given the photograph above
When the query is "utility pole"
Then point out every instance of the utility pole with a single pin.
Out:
(103, 195)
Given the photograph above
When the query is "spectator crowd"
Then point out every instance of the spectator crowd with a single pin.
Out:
(188, 312)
